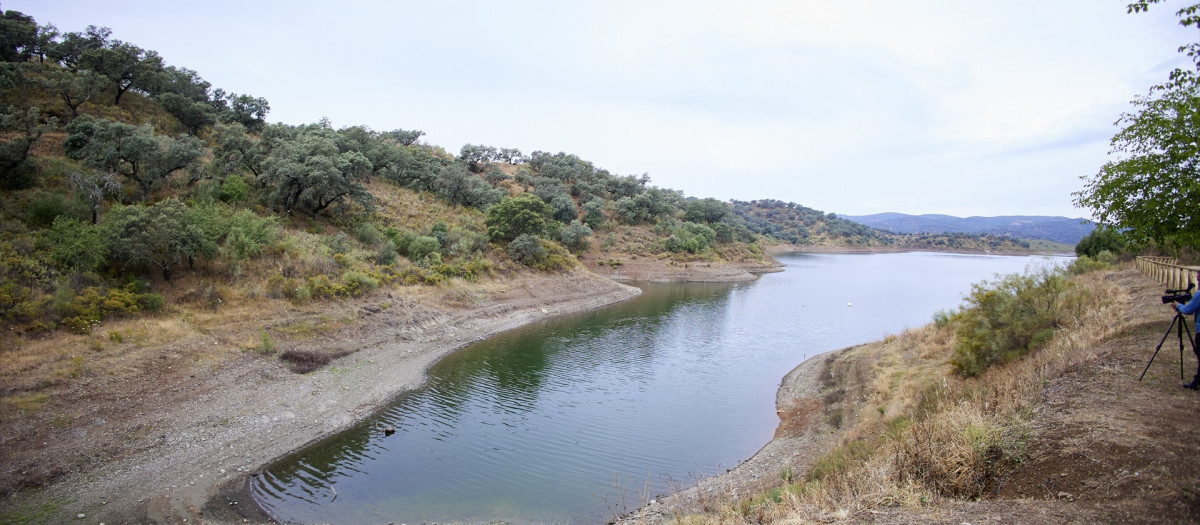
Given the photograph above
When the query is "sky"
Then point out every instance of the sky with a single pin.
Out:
(994, 107)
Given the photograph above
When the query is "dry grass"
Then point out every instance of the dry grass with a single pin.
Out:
(914, 434)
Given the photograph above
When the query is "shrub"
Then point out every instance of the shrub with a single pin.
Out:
(526, 249)
(151, 302)
(320, 287)
(76, 245)
(247, 234)
(47, 206)
(540, 254)
(305, 361)
(593, 213)
(690, 237)
(422, 246)
(233, 189)
(387, 253)
(1084, 264)
(462, 242)
(355, 283)
(575, 236)
(1003, 320)
(368, 234)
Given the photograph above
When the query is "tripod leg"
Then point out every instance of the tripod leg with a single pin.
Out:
(1180, 331)
(1159, 347)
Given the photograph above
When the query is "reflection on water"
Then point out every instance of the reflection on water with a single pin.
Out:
(576, 419)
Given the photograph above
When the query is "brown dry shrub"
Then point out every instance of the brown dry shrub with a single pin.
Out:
(305, 361)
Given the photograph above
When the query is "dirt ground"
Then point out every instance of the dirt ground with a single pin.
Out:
(1107, 448)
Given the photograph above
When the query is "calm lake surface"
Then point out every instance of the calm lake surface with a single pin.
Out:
(576, 419)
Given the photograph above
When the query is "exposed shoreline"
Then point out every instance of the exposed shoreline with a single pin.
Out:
(190, 454)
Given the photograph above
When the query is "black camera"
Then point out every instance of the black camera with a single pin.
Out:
(1178, 296)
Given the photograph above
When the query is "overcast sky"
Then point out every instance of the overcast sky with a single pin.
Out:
(957, 107)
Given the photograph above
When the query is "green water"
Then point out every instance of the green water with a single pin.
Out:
(581, 418)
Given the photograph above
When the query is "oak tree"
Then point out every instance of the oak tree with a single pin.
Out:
(135, 152)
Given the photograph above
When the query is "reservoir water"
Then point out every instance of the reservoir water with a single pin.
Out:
(577, 419)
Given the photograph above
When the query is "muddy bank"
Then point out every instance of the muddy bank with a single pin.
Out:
(803, 435)
(157, 444)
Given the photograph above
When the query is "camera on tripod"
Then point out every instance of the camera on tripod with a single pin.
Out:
(1179, 296)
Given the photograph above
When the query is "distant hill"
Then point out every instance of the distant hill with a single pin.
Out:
(1057, 229)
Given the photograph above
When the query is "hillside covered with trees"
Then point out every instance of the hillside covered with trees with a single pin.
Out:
(1057, 229)
(801, 226)
(121, 172)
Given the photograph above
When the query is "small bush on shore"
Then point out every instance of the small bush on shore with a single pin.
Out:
(1004, 319)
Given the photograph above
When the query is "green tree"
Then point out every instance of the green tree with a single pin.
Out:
(74, 88)
(476, 157)
(46, 40)
(1100, 240)
(192, 114)
(180, 81)
(16, 169)
(705, 211)
(125, 65)
(250, 112)
(575, 235)
(76, 245)
(70, 51)
(309, 173)
(163, 235)
(515, 216)
(455, 184)
(235, 149)
(593, 213)
(93, 188)
(18, 36)
(406, 137)
(1151, 190)
(135, 152)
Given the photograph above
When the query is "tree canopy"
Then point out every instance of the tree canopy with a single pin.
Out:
(512, 217)
(1151, 189)
(309, 173)
(136, 152)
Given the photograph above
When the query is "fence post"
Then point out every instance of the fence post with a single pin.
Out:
(1166, 270)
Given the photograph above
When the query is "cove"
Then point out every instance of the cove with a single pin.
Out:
(581, 418)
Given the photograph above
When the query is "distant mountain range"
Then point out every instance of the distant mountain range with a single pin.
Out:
(1057, 229)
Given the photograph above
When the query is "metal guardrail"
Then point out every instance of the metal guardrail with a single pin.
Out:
(1168, 271)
